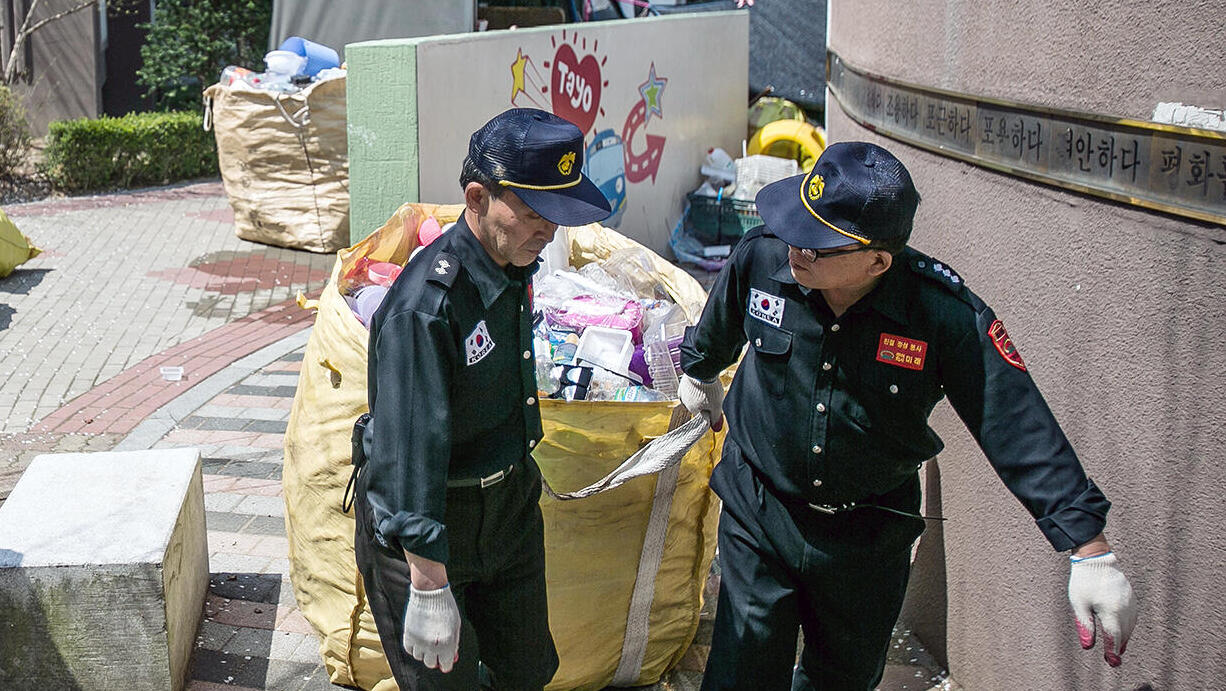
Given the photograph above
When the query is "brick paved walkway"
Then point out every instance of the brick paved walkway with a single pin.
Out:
(123, 277)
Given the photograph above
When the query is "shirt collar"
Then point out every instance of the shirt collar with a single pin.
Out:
(890, 297)
(489, 278)
(783, 274)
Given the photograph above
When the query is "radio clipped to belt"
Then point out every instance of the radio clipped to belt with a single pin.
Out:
(357, 457)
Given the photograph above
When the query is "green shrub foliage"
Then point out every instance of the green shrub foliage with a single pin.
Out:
(131, 151)
(14, 132)
(190, 41)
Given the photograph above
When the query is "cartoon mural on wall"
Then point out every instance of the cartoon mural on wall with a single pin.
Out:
(641, 166)
(573, 90)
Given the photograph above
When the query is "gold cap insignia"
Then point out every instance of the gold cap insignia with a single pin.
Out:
(816, 185)
(566, 163)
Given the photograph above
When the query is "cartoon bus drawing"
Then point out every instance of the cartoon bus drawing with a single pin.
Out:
(605, 166)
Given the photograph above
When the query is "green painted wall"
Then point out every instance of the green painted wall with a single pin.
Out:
(382, 128)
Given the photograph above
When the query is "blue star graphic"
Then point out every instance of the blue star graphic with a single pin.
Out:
(651, 91)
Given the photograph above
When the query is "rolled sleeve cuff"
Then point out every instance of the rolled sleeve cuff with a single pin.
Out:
(1078, 522)
(695, 362)
(416, 534)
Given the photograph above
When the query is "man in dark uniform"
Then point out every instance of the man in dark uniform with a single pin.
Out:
(449, 534)
(853, 339)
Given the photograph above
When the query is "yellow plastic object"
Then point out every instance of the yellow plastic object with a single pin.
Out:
(789, 139)
(772, 108)
(593, 545)
(15, 248)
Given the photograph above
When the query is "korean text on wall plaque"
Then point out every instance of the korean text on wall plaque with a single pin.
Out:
(1179, 170)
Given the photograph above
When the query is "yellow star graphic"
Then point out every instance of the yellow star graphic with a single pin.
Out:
(517, 74)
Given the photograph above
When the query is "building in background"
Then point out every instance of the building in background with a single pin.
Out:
(1119, 310)
(80, 65)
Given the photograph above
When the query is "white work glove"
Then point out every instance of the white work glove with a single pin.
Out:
(432, 627)
(1098, 590)
(705, 398)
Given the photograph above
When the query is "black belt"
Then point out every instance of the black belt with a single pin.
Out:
(483, 482)
(833, 509)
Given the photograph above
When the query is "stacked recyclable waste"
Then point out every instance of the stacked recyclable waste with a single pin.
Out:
(282, 147)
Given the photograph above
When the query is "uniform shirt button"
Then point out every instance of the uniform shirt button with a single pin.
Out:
(817, 449)
(531, 400)
(531, 443)
(821, 407)
(757, 342)
(825, 366)
(893, 388)
(834, 328)
(817, 483)
(527, 354)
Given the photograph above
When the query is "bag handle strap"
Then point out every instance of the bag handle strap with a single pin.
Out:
(659, 454)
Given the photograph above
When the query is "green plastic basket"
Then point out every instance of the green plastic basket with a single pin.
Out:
(718, 221)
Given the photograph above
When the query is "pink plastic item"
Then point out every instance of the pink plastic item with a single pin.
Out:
(429, 231)
(583, 311)
(383, 273)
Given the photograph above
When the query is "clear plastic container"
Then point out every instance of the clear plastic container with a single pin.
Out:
(284, 62)
(662, 350)
(757, 171)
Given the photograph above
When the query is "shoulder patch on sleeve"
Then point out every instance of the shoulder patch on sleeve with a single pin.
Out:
(938, 272)
(444, 269)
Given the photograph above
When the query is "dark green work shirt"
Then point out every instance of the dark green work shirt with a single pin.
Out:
(830, 411)
(452, 386)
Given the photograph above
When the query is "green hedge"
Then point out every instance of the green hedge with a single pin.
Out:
(135, 150)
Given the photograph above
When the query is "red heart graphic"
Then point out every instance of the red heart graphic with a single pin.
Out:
(575, 87)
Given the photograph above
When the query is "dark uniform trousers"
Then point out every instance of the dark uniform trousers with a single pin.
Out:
(496, 570)
(786, 567)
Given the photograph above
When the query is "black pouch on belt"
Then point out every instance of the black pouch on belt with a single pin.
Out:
(357, 457)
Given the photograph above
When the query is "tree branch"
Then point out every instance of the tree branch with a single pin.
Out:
(29, 26)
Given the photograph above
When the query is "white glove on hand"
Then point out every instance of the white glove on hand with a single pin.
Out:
(432, 627)
(1098, 590)
(705, 398)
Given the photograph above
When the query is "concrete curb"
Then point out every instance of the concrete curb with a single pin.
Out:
(164, 419)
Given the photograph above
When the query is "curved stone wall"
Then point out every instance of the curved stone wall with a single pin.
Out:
(1120, 314)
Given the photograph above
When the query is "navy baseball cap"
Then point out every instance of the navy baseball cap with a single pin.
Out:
(539, 156)
(856, 192)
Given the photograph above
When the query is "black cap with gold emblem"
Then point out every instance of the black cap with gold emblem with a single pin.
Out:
(538, 155)
(856, 193)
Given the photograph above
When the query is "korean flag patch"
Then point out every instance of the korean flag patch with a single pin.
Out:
(766, 307)
(478, 344)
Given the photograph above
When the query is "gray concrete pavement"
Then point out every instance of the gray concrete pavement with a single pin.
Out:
(123, 277)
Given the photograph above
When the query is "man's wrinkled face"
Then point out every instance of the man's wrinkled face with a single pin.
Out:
(512, 232)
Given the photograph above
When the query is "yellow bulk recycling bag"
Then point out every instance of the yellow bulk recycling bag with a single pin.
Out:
(15, 248)
(622, 605)
(284, 162)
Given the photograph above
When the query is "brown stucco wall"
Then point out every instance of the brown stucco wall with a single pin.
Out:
(67, 68)
(1120, 314)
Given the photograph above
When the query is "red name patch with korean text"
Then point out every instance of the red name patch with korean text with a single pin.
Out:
(904, 352)
(1004, 345)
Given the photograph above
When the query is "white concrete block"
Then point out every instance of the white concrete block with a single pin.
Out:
(103, 571)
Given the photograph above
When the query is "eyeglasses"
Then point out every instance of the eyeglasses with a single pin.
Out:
(813, 255)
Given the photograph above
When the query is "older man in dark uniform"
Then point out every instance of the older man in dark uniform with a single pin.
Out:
(853, 339)
(449, 534)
